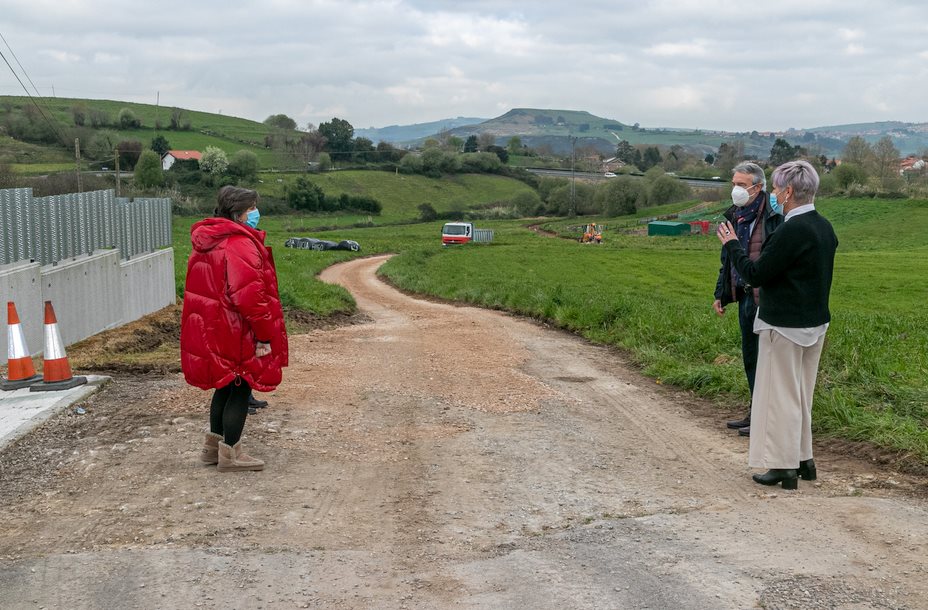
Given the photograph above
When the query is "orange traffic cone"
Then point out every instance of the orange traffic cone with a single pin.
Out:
(56, 371)
(19, 368)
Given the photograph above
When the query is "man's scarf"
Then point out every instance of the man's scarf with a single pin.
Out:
(743, 219)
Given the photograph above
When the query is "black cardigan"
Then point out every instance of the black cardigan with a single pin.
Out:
(794, 271)
(771, 221)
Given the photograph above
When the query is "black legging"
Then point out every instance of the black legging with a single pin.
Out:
(228, 411)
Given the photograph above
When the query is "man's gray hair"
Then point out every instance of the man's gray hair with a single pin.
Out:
(755, 170)
(801, 176)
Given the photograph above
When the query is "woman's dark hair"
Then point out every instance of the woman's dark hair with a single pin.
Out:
(234, 200)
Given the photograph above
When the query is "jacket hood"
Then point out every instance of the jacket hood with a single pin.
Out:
(210, 232)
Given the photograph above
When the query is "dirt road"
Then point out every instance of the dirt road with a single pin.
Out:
(442, 457)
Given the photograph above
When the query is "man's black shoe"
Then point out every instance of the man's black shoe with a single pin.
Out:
(255, 403)
(252, 410)
(787, 476)
(739, 423)
(746, 431)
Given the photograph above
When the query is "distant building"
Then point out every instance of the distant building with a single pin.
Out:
(611, 164)
(168, 158)
(911, 164)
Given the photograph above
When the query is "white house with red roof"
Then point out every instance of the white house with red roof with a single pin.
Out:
(168, 158)
(911, 164)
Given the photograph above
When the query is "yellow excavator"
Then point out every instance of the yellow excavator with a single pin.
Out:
(592, 234)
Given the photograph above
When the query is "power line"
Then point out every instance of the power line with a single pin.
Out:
(26, 74)
(37, 107)
(34, 88)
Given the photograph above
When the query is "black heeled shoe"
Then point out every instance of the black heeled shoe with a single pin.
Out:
(807, 470)
(787, 476)
(739, 423)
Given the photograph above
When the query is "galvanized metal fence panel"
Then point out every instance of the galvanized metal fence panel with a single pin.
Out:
(18, 225)
(54, 228)
(8, 228)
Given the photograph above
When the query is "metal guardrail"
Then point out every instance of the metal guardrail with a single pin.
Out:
(55, 228)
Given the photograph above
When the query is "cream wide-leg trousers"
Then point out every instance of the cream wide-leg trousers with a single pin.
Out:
(781, 408)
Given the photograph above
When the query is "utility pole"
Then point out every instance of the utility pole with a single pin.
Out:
(116, 165)
(573, 178)
(77, 163)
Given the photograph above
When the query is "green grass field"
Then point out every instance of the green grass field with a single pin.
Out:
(297, 269)
(35, 169)
(231, 134)
(652, 295)
(401, 194)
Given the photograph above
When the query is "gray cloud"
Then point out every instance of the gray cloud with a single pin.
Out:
(685, 63)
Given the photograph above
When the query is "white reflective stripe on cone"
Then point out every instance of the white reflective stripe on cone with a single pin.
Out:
(16, 342)
(53, 347)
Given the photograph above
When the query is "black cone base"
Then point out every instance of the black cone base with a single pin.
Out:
(54, 386)
(20, 383)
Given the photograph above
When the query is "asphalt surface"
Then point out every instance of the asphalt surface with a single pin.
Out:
(22, 410)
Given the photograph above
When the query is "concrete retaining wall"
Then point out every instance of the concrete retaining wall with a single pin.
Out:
(148, 283)
(90, 293)
(22, 284)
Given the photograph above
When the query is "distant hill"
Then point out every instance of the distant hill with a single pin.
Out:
(560, 130)
(402, 134)
(909, 138)
(554, 129)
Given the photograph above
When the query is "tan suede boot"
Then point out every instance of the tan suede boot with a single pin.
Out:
(210, 453)
(234, 459)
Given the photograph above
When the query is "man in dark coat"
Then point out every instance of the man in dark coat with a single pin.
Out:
(754, 220)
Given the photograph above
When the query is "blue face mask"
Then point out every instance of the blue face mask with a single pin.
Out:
(775, 206)
(253, 217)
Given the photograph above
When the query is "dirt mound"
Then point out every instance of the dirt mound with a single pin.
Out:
(151, 345)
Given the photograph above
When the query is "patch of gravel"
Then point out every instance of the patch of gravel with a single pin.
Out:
(828, 593)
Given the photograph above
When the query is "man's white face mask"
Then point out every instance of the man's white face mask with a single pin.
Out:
(740, 196)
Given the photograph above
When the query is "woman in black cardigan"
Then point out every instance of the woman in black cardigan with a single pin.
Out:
(794, 274)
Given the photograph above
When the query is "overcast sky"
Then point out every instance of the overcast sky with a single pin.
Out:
(682, 63)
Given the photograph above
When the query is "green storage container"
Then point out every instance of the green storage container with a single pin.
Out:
(665, 227)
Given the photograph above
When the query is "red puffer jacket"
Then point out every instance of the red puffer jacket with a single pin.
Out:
(231, 302)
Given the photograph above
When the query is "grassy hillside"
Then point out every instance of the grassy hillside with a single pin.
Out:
(401, 194)
(16, 152)
(206, 129)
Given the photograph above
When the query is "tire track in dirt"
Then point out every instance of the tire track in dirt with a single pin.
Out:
(624, 448)
(623, 416)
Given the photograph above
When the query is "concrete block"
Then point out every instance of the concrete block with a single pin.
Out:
(22, 283)
(87, 294)
(147, 283)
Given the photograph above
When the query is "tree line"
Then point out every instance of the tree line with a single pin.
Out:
(863, 168)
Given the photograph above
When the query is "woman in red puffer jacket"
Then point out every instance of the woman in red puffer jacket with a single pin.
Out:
(232, 335)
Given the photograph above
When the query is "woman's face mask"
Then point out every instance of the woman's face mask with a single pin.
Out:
(775, 206)
(253, 217)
